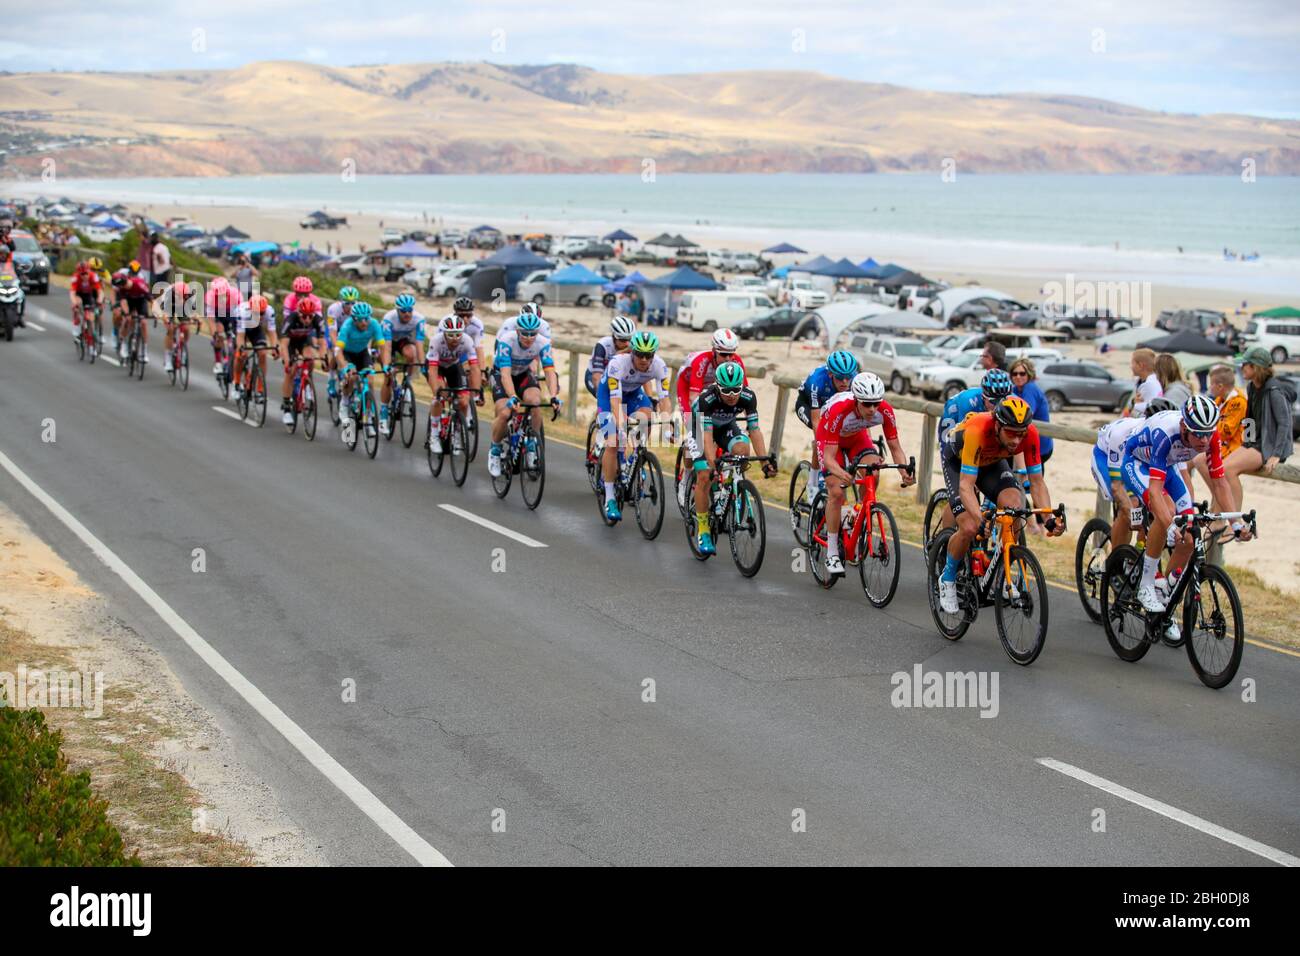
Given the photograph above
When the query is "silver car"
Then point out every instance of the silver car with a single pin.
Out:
(1082, 383)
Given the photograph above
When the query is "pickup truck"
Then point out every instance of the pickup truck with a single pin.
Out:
(802, 295)
(372, 266)
(323, 222)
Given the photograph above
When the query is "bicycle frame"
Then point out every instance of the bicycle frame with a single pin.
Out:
(1002, 521)
(864, 477)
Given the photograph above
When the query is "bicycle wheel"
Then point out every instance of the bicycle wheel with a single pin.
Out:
(1213, 627)
(257, 395)
(406, 414)
(223, 382)
(459, 451)
(817, 542)
(95, 341)
(1121, 614)
(800, 508)
(879, 563)
(648, 496)
(1020, 608)
(436, 458)
(174, 373)
(333, 400)
(370, 423)
(509, 458)
(681, 475)
(951, 626)
(391, 407)
(307, 400)
(471, 429)
(242, 401)
(594, 477)
(532, 473)
(139, 355)
(691, 523)
(184, 370)
(79, 340)
(1090, 556)
(747, 529)
(933, 515)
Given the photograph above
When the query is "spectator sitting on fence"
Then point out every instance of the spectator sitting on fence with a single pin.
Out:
(1267, 430)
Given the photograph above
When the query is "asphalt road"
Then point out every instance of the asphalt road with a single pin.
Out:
(521, 690)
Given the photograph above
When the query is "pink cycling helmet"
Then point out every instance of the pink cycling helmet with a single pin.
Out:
(302, 285)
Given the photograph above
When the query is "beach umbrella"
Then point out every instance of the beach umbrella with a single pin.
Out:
(619, 235)
(1188, 341)
(785, 248)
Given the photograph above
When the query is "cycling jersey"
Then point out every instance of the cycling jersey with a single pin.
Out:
(840, 419)
(698, 374)
(510, 354)
(135, 288)
(622, 375)
(956, 409)
(1108, 452)
(353, 339)
(443, 355)
(85, 283)
(221, 305)
(715, 413)
(396, 328)
(511, 325)
(817, 389)
(291, 303)
(301, 333)
(1159, 444)
(248, 321)
(601, 355)
(173, 308)
(975, 442)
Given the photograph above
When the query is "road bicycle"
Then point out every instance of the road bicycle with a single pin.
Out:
(735, 509)
(360, 414)
(868, 534)
(250, 385)
(524, 455)
(134, 363)
(180, 355)
(90, 334)
(933, 516)
(639, 481)
(997, 570)
(1212, 621)
(800, 503)
(450, 429)
(401, 404)
(302, 404)
(226, 359)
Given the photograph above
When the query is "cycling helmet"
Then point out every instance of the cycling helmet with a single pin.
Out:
(134, 266)
(842, 364)
(622, 327)
(302, 285)
(531, 307)
(1013, 412)
(452, 325)
(405, 302)
(725, 340)
(463, 304)
(527, 323)
(349, 293)
(180, 290)
(729, 375)
(867, 387)
(95, 263)
(219, 285)
(645, 343)
(1158, 405)
(307, 306)
(258, 304)
(995, 384)
(1200, 414)
(119, 278)
(361, 311)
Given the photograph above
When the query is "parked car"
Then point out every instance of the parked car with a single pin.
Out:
(1292, 379)
(635, 257)
(946, 379)
(372, 266)
(1197, 320)
(591, 250)
(420, 279)
(538, 288)
(612, 271)
(392, 237)
(778, 322)
(915, 297)
(1280, 336)
(451, 237)
(802, 294)
(1018, 342)
(448, 283)
(944, 303)
(712, 310)
(31, 267)
(896, 359)
(746, 284)
(1082, 383)
(728, 260)
(1076, 323)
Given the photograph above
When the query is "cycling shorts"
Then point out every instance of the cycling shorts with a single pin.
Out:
(1137, 479)
(523, 381)
(633, 402)
(991, 480)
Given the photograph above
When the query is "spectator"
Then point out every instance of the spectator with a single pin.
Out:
(1232, 415)
(145, 253)
(1143, 366)
(635, 305)
(245, 276)
(162, 260)
(1172, 384)
(994, 356)
(1023, 374)
(1266, 432)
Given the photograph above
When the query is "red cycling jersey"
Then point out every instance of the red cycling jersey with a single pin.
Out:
(135, 288)
(840, 425)
(697, 375)
(85, 282)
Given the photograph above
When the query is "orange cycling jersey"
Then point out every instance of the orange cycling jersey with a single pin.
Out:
(975, 440)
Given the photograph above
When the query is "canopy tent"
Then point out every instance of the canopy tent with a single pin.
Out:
(871, 266)
(833, 319)
(108, 222)
(671, 242)
(318, 214)
(663, 293)
(485, 231)
(517, 261)
(900, 279)
(1190, 364)
(784, 248)
(188, 232)
(230, 232)
(1129, 338)
(411, 249)
(618, 285)
(841, 270)
(255, 248)
(619, 235)
(889, 270)
(663, 239)
(898, 319)
(486, 280)
(1188, 341)
(576, 274)
(1281, 312)
(812, 265)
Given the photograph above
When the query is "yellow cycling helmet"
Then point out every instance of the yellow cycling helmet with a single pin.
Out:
(1013, 412)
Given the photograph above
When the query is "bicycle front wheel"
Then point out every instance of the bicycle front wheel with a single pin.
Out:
(878, 556)
(748, 531)
(691, 522)
(1090, 556)
(532, 473)
(459, 450)
(648, 496)
(436, 458)
(183, 367)
(817, 543)
(370, 424)
(307, 399)
(800, 508)
(951, 626)
(1121, 614)
(682, 476)
(257, 392)
(934, 511)
(244, 399)
(594, 477)
(1213, 627)
(1020, 608)
(79, 340)
(406, 414)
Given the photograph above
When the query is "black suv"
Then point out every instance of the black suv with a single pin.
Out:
(30, 264)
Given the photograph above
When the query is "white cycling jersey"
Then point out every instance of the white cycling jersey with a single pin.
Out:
(247, 321)
(621, 374)
(442, 354)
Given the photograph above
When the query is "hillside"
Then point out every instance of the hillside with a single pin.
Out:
(283, 117)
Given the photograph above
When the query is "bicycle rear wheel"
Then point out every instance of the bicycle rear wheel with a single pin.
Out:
(1121, 614)
(459, 450)
(79, 340)
(1090, 556)
(878, 556)
(173, 375)
(333, 400)
(139, 355)
(800, 508)
(436, 458)
(532, 475)
(223, 381)
(951, 626)
(370, 424)
(406, 414)
(933, 515)
(184, 370)
(648, 495)
(472, 429)
(94, 340)
(243, 397)
(257, 395)
(681, 475)
(307, 401)
(747, 529)
(817, 543)
(1021, 613)
(594, 477)
(1213, 627)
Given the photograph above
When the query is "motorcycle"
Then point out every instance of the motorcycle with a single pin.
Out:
(12, 305)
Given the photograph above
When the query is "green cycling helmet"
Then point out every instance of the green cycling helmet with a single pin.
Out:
(645, 343)
(349, 293)
(730, 375)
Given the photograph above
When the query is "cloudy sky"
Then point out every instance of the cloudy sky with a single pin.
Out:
(1197, 56)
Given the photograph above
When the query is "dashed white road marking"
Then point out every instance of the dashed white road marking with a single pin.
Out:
(33, 326)
(493, 526)
(233, 414)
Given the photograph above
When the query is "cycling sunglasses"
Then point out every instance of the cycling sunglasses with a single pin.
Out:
(730, 391)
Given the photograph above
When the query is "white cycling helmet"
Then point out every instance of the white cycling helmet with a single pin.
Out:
(622, 327)
(725, 340)
(1200, 414)
(867, 387)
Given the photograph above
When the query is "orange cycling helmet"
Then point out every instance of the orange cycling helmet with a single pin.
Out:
(1013, 412)
(308, 307)
(258, 304)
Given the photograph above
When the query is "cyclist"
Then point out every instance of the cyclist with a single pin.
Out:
(302, 287)
(464, 307)
(528, 308)
(304, 335)
(513, 380)
(821, 385)
(254, 326)
(1108, 457)
(976, 458)
(352, 350)
(451, 362)
(619, 340)
(404, 330)
(698, 372)
(220, 303)
(132, 295)
(86, 293)
(843, 433)
(1168, 439)
(334, 318)
(722, 407)
(993, 387)
(622, 396)
(175, 307)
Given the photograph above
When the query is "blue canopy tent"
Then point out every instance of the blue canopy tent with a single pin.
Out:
(410, 250)
(618, 285)
(892, 269)
(517, 262)
(784, 248)
(576, 274)
(871, 267)
(619, 235)
(661, 294)
(255, 248)
(780, 273)
(812, 265)
(478, 229)
(188, 232)
(108, 222)
(843, 270)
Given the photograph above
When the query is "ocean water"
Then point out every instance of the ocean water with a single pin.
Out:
(1163, 228)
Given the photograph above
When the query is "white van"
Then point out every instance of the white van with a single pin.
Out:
(1281, 337)
(709, 311)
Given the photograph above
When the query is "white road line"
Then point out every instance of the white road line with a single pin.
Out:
(352, 788)
(1173, 813)
(34, 327)
(105, 357)
(493, 526)
(235, 415)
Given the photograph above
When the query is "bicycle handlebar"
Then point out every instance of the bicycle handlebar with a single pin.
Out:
(910, 467)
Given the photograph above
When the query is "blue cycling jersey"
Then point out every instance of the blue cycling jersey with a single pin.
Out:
(353, 339)
(958, 407)
(818, 388)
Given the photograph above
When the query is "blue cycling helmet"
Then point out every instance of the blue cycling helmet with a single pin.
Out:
(842, 364)
(996, 384)
(361, 310)
(405, 302)
(527, 322)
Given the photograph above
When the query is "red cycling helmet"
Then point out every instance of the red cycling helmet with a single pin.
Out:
(302, 285)
(308, 306)
(258, 304)
(180, 290)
